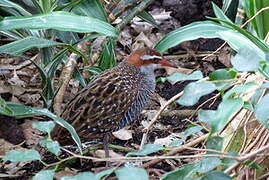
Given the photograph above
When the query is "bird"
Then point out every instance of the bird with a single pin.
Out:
(114, 98)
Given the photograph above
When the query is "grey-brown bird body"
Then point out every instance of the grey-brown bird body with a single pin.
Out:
(112, 100)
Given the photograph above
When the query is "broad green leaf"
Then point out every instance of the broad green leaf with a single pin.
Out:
(239, 89)
(101, 174)
(81, 176)
(182, 173)
(192, 130)
(44, 175)
(147, 149)
(46, 126)
(19, 110)
(261, 111)
(27, 43)
(257, 41)
(221, 76)
(218, 119)
(132, 173)
(196, 75)
(22, 155)
(215, 143)
(59, 20)
(193, 92)
(206, 29)
(216, 175)
(246, 59)
(207, 164)
(52, 146)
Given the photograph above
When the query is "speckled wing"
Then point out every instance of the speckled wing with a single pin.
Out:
(100, 106)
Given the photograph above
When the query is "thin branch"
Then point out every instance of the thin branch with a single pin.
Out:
(133, 13)
(155, 118)
(255, 15)
(177, 150)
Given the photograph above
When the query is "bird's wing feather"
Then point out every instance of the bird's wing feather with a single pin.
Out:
(100, 106)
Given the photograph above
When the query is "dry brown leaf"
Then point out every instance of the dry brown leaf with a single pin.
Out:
(15, 80)
(167, 140)
(101, 154)
(5, 146)
(123, 134)
(125, 38)
(32, 136)
(65, 172)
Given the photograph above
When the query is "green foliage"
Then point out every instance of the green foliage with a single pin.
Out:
(22, 155)
(44, 126)
(52, 146)
(185, 172)
(147, 149)
(261, 111)
(207, 164)
(44, 175)
(218, 119)
(220, 77)
(80, 176)
(260, 22)
(193, 92)
(19, 110)
(183, 77)
(132, 173)
(216, 175)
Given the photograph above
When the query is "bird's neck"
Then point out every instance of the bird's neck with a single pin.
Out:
(148, 77)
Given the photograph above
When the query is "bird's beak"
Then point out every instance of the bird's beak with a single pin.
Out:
(164, 62)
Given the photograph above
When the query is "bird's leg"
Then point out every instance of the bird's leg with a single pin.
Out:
(105, 144)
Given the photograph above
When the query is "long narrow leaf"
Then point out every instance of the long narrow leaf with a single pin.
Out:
(218, 12)
(10, 4)
(207, 29)
(27, 43)
(60, 20)
(262, 45)
(91, 8)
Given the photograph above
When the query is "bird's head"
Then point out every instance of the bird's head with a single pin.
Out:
(147, 57)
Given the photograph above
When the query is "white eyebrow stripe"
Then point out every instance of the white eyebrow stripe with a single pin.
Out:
(148, 57)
